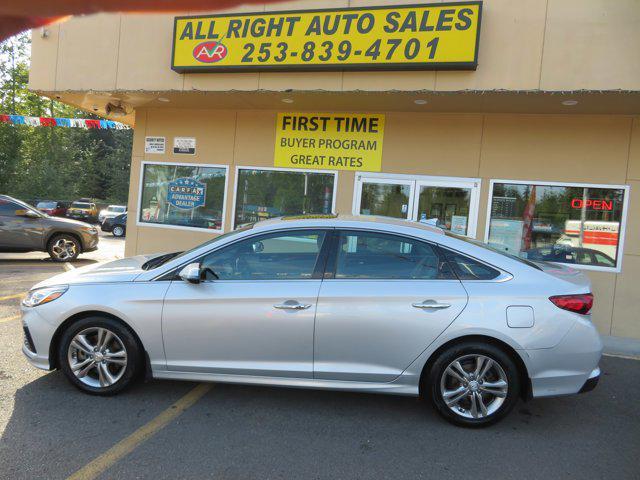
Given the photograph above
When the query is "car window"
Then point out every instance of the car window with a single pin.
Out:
(604, 261)
(47, 205)
(8, 209)
(468, 268)
(371, 255)
(81, 205)
(276, 256)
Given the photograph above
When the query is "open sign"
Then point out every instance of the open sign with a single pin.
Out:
(593, 204)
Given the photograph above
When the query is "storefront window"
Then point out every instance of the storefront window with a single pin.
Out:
(389, 200)
(183, 195)
(571, 224)
(447, 206)
(265, 193)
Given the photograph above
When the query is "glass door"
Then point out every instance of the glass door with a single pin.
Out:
(450, 203)
(384, 196)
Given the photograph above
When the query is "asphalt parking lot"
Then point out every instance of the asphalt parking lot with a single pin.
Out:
(183, 430)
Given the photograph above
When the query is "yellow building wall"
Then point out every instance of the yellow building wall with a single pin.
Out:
(556, 45)
(574, 148)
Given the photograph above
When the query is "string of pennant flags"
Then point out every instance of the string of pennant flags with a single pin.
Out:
(62, 122)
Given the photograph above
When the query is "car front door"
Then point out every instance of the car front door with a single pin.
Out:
(388, 299)
(18, 232)
(253, 314)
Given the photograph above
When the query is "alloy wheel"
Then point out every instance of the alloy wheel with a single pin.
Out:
(97, 357)
(474, 386)
(64, 249)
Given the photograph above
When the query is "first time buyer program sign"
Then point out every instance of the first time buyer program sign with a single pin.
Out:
(409, 37)
(331, 141)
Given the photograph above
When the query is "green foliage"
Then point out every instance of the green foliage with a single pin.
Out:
(53, 162)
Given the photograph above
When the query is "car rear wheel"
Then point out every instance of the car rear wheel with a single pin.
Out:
(118, 231)
(473, 384)
(63, 248)
(99, 355)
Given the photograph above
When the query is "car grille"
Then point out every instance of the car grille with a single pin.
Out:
(28, 341)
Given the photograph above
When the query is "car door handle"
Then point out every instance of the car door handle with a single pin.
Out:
(431, 305)
(292, 305)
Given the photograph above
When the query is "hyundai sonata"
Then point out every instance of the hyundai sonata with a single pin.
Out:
(347, 303)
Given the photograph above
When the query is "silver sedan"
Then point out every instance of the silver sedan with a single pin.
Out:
(347, 303)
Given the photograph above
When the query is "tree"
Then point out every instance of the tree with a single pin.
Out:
(54, 162)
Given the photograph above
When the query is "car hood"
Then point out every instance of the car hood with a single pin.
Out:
(66, 222)
(124, 270)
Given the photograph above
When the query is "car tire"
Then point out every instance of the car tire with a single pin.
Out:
(473, 398)
(118, 231)
(90, 354)
(63, 248)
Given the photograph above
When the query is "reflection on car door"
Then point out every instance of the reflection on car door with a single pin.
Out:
(389, 298)
(254, 312)
(18, 232)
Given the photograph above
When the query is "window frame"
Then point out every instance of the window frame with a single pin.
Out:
(417, 181)
(331, 264)
(544, 183)
(280, 169)
(319, 269)
(182, 227)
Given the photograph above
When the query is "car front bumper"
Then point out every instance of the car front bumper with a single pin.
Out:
(41, 333)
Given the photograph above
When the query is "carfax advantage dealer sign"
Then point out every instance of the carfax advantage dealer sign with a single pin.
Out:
(410, 37)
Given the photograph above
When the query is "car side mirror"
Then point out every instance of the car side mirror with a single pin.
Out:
(191, 273)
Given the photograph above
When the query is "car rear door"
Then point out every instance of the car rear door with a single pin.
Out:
(254, 312)
(385, 298)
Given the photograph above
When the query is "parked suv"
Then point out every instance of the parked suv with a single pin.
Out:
(117, 226)
(83, 209)
(24, 229)
(111, 211)
(53, 207)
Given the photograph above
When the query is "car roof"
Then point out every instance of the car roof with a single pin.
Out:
(342, 220)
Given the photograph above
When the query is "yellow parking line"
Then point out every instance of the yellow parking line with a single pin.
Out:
(9, 319)
(96, 467)
(11, 297)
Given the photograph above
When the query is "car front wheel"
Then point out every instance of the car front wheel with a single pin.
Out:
(473, 384)
(99, 355)
(118, 231)
(63, 248)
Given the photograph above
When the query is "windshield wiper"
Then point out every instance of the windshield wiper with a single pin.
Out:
(159, 261)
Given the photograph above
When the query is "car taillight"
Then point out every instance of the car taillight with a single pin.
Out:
(581, 303)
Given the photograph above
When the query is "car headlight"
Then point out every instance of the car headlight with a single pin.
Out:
(44, 295)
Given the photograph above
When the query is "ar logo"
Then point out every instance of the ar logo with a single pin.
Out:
(210, 52)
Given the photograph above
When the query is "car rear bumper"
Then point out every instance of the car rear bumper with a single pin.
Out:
(592, 381)
(568, 368)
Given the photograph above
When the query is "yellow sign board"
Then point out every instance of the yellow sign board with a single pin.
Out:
(414, 37)
(331, 141)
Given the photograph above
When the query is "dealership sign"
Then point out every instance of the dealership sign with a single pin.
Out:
(332, 141)
(414, 37)
(186, 193)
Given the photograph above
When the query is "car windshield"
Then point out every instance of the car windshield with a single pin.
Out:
(162, 259)
(47, 205)
(115, 209)
(81, 205)
(495, 250)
